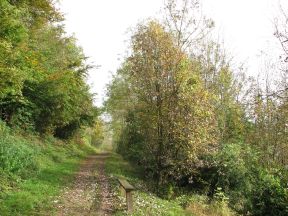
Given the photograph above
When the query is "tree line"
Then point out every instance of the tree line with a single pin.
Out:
(192, 120)
(42, 71)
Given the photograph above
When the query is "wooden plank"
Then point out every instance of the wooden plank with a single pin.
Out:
(125, 184)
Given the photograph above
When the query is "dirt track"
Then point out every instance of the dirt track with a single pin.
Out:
(90, 193)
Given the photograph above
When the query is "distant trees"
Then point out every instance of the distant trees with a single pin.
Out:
(42, 72)
(269, 105)
(281, 31)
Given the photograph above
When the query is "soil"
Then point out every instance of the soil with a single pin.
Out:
(90, 193)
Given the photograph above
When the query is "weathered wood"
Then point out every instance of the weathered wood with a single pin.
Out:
(128, 188)
(129, 201)
(125, 184)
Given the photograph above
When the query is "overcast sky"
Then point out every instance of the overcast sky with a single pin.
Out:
(246, 26)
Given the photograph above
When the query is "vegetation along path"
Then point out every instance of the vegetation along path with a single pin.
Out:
(90, 193)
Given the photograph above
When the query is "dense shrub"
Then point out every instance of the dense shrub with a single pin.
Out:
(270, 196)
(251, 189)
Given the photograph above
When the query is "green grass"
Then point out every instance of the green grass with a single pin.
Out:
(148, 203)
(35, 195)
(31, 190)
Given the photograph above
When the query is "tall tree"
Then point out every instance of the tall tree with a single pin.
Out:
(171, 114)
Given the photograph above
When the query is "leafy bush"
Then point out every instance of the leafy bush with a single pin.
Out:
(235, 166)
(270, 197)
(250, 187)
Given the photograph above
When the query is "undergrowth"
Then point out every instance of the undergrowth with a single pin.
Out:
(33, 170)
(148, 203)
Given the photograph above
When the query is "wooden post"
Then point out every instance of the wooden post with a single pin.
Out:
(129, 201)
(128, 188)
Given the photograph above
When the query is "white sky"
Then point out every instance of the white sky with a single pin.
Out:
(246, 26)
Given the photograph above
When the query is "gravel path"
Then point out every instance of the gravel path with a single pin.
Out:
(90, 193)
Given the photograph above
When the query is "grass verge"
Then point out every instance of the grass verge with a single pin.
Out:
(51, 164)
